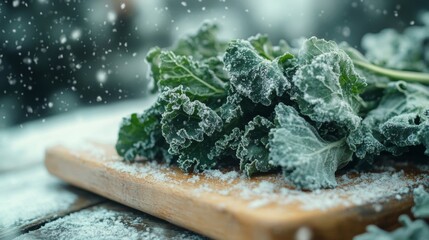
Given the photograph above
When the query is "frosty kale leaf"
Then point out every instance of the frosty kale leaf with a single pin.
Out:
(326, 86)
(253, 148)
(185, 121)
(203, 47)
(196, 77)
(231, 110)
(140, 135)
(399, 121)
(265, 48)
(252, 75)
(421, 201)
(261, 107)
(227, 145)
(307, 160)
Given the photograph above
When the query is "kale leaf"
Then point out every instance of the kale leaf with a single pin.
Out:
(399, 121)
(260, 107)
(186, 122)
(253, 148)
(140, 136)
(308, 161)
(252, 75)
(326, 85)
(195, 76)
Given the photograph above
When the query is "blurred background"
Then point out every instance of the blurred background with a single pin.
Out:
(58, 56)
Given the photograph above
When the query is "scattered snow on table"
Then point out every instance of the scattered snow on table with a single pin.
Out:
(27, 143)
(104, 223)
(258, 192)
(31, 194)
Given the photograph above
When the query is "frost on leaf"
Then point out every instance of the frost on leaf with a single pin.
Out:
(399, 121)
(253, 148)
(252, 75)
(185, 124)
(216, 65)
(226, 145)
(308, 161)
(421, 201)
(231, 109)
(196, 77)
(326, 86)
(265, 48)
(140, 136)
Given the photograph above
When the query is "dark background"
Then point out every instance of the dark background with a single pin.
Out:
(56, 56)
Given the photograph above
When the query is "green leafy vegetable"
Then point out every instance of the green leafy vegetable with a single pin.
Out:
(253, 76)
(307, 160)
(399, 121)
(196, 77)
(253, 148)
(184, 124)
(260, 107)
(326, 86)
(140, 135)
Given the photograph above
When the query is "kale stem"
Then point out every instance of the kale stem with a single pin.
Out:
(394, 74)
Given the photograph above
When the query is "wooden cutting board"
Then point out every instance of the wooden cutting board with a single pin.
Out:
(225, 205)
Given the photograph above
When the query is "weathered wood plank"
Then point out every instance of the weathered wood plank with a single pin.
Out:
(109, 221)
(30, 197)
(227, 206)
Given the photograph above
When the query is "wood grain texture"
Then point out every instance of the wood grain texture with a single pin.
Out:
(109, 221)
(220, 216)
(30, 197)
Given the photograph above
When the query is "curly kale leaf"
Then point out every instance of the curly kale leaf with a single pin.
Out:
(421, 201)
(399, 121)
(227, 145)
(216, 65)
(253, 148)
(252, 75)
(202, 45)
(196, 77)
(265, 48)
(140, 136)
(231, 109)
(185, 124)
(308, 161)
(326, 85)
(417, 230)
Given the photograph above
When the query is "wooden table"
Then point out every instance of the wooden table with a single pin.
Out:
(36, 205)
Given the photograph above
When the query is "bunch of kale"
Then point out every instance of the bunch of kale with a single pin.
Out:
(306, 110)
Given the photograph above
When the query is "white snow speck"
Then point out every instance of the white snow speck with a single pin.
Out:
(101, 76)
